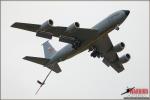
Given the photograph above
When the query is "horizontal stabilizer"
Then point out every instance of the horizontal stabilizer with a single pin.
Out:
(38, 60)
(26, 26)
(54, 67)
(43, 61)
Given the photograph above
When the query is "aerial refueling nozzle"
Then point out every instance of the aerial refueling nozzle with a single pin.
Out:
(41, 83)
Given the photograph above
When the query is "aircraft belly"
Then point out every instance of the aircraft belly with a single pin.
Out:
(72, 52)
(106, 25)
(67, 52)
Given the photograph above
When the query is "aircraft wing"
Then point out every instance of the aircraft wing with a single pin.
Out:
(81, 33)
(26, 26)
(104, 46)
(56, 31)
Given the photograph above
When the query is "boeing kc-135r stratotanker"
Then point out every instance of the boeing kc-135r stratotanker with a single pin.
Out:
(94, 39)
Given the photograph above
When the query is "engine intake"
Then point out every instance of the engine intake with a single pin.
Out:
(46, 25)
(125, 58)
(119, 47)
(72, 27)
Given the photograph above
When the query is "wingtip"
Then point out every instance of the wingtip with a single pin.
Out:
(13, 24)
(25, 58)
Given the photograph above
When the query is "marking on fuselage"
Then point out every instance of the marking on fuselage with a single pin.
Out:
(50, 49)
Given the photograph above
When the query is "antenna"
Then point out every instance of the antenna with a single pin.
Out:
(42, 83)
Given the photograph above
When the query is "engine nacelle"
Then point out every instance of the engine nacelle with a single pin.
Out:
(125, 58)
(119, 47)
(42, 32)
(46, 25)
(72, 27)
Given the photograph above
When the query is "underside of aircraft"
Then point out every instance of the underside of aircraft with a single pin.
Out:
(94, 39)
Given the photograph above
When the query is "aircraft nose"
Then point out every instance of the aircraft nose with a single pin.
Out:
(126, 12)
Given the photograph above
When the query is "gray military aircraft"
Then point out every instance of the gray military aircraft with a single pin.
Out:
(95, 39)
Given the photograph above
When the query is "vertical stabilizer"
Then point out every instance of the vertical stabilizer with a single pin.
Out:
(49, 51)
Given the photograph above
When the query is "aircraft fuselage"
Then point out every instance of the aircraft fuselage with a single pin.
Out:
(103, 27)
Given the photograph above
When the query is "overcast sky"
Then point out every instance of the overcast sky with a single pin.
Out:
(82, 76)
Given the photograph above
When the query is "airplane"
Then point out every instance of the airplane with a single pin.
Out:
(94, 39)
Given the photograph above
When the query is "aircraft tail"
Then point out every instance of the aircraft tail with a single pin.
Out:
(49, 51)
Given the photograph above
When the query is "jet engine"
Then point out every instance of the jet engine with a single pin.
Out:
(119, 47)
(125, 58)
(72, 27)
(72, 40)
(46, 25)
(42, 32)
